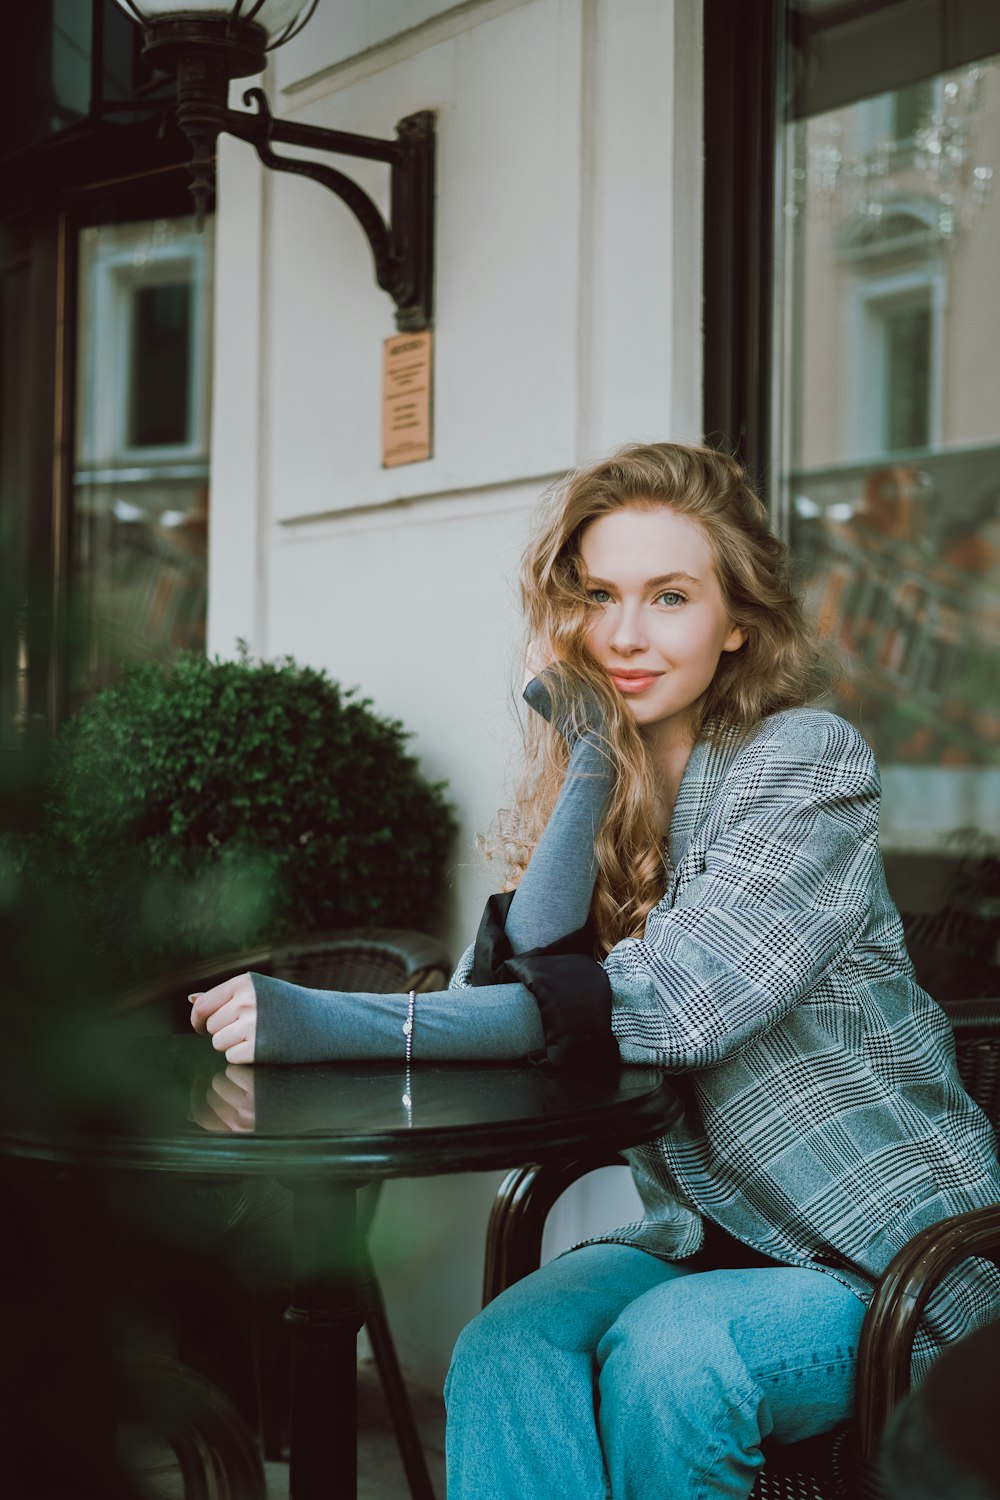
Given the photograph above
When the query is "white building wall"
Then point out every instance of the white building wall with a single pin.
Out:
(567, 320)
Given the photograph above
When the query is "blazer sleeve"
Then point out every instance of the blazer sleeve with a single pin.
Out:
(779, 895)
(570, 988)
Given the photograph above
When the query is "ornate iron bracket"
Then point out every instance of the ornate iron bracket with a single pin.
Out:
(403, 249)
(205, 52)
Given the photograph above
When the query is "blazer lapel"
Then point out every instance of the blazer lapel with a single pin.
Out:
(703, 777)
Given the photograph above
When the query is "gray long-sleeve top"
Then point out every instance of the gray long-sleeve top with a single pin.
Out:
(494, 1023)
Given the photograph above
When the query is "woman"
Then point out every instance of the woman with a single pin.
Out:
(697, 885)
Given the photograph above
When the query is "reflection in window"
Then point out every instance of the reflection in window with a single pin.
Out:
(910, 109)
(141, 474)
(159, 377)
(906, 370)
(892, 433)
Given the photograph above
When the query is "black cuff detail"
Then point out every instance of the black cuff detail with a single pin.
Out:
(570, 987)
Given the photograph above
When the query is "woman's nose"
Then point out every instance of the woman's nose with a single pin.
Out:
(627, 634)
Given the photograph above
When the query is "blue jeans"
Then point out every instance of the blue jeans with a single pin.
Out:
(609, 1372)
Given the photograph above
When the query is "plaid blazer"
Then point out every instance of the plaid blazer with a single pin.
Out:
(825, 1122)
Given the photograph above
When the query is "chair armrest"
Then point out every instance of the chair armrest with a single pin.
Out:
(376, 959)
(886, 1344)
(517, 1218)
(199, 974)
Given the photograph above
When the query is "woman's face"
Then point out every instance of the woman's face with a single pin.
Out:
(660, 625)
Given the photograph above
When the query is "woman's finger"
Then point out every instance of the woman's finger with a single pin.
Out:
(206, 1004)
(242, 1052)
(226, 1014)
(229, 1036)
(539, 655)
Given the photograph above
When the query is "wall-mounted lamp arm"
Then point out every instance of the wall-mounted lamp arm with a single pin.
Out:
(262, 129)
(292, 133)
(206, 50)
(403, 249)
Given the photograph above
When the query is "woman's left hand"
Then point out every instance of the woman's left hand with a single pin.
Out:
(229, 1014)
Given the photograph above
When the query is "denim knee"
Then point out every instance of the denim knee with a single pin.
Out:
(760, 1352)
(500, 1339)
(681, 1354)
(474, 1349)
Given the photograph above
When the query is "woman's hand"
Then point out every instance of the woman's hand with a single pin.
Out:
(225, 1101)
(540, 655)
(229, 1014)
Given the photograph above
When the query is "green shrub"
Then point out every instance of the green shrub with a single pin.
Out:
(221, 804)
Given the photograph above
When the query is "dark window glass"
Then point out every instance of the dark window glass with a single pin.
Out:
(161, 363)
(908, 369)
(15, 434)
(912, 107)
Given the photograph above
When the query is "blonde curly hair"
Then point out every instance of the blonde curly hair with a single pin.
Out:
(777, 666)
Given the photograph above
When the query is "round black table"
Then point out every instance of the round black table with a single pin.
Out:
(324, 1131)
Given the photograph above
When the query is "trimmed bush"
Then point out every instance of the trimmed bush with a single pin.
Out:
(218, 804)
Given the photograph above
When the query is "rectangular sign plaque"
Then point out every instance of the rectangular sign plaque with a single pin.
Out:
(406, 399)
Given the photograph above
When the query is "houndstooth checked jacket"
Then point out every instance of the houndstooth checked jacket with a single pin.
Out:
(825, 1122)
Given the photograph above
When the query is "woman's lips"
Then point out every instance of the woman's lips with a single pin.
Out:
(634, 682)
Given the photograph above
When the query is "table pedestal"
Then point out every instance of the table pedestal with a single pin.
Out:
(325, 1318)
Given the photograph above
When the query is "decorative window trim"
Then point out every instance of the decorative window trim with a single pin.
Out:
(925, 286)
(113, 274)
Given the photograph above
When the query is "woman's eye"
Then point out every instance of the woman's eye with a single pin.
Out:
(670, 597)
(599, 596)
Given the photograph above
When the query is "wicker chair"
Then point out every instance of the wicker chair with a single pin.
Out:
(374, 959)
(838, 1465)
(215, 1451)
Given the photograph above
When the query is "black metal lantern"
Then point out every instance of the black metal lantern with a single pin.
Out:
(206, 43)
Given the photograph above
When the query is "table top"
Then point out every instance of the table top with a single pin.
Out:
(191, 1112)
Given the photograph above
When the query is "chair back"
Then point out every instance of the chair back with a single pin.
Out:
(374, 960)
(976, 1025)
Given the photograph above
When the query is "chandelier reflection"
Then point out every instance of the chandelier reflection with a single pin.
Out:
(918, 139)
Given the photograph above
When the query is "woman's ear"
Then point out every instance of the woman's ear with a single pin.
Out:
(735, 639)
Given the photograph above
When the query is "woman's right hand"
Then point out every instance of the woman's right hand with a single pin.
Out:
(539, 656)
(538, 694)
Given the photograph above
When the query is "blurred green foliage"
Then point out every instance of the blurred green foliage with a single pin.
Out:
(216, 805)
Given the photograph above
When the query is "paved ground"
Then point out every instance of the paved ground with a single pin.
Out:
(380, 1473)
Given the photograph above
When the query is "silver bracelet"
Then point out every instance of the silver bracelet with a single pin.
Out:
(408, 1027)
(408, 1033)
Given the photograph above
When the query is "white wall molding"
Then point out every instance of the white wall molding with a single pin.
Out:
(236, 556)
(429, 509)
(300, 83)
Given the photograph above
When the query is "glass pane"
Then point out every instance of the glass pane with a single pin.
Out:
(142, 444)
(161, 365)
(890, 340)
(15, 431)
(907, 394)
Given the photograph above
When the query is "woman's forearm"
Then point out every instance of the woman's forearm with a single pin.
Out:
(494, 1023)
(554, 895)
